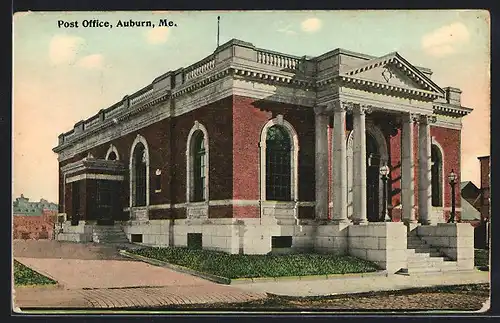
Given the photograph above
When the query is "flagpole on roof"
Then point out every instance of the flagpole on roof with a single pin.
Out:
(218, 30)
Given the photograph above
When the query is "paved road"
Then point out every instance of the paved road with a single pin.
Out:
(92, 275)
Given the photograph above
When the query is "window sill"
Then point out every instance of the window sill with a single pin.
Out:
(157, 191)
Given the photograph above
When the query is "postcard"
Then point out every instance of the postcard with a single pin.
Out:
(251, 161)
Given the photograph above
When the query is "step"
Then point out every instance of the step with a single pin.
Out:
(111, 240)
(423, 250)
(419, 264)
(436, 253)
(419, 270)
(419, 256)
(108, 230)
(110, 237)
(416, 243)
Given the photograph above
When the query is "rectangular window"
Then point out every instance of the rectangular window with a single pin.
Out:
(199, 178)
(136, 238)
(194, 240)
(281, 242)
(278, 176)
(158, 183)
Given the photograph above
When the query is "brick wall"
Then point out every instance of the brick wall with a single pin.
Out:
(249, 118)
(33, 227)
(394, 151)
(234, 126)
(449, 140)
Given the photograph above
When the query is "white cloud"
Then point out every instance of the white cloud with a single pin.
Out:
(94, 61)
(287, 30)
(445, 40)
(311, 25)
(63, 49)
(158, 35)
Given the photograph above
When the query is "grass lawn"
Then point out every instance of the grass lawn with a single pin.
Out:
(25, 276)
(253, 266)
(481, 257)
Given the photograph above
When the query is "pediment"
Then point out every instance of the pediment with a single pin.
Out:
(393, 70)
(389, 75)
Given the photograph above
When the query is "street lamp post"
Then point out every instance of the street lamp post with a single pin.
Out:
(384, 172)
(452, 178)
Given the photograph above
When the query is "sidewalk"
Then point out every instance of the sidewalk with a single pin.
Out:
(119, 284)
(366, 283)
(121, 298)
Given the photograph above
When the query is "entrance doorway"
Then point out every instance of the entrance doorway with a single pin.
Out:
(75, 203)
(376, 156)
(372, 179)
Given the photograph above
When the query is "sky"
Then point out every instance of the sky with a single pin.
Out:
(63, 75)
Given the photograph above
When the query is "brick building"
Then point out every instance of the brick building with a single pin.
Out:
(485, 187)
(250, 151)
(484, 232)
(23, 206)
(33, 220)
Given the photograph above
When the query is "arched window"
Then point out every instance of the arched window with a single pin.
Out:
(197, 161)
(112, 153)
(139, 175)
(139, 172)
(436, 176)
(278, 164)
(199, 167)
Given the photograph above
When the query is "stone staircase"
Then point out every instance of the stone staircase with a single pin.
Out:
(422, 258)
(109, 234)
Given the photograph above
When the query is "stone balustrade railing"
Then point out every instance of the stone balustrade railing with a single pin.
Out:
(195, 71)
(142, 97)
(92, 122)
(199, 68)
(114, 111)
(278, 60)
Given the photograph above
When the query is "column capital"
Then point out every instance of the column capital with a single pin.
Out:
(342, 106)
(320, 109)
(365, 108)
(411, 117)
(427, 118)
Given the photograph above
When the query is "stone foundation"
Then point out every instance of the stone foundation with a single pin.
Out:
(384, 243)
(455, 240)
(75, 233)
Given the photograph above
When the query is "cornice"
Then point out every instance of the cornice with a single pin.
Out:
(451, 110)
(112, 121)
(388, 88)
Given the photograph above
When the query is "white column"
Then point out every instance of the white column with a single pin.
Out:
(424, 171)
(339, 191)
(359, 166)
(321, 164)
(407, 171)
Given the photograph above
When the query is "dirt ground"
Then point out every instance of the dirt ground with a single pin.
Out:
(455, 298)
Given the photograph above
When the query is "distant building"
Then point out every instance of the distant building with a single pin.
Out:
(484, 200)
(475, 204)
(470, 203)
(23, 206)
